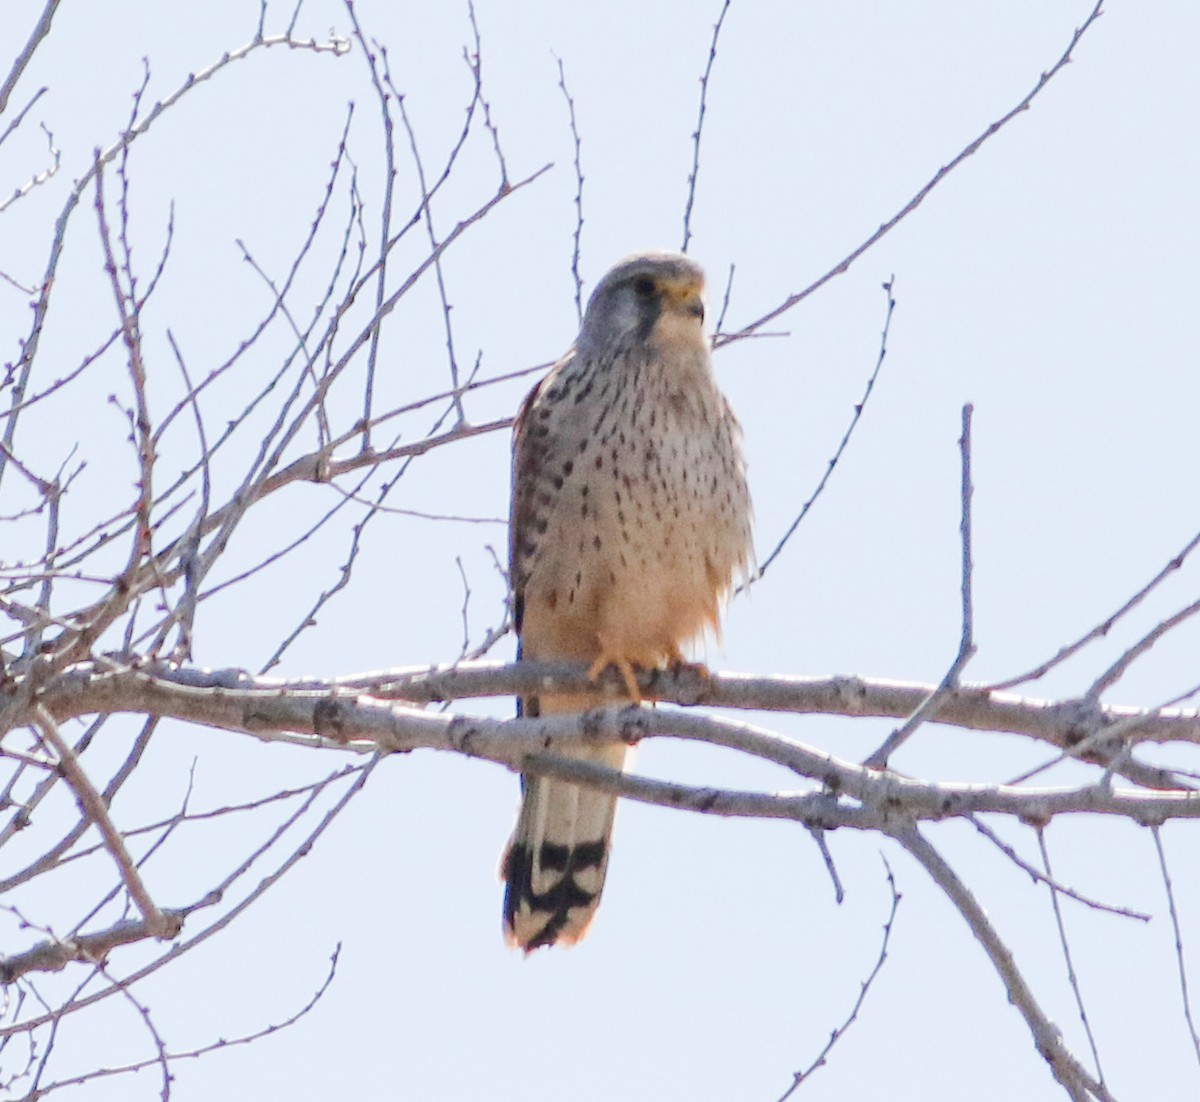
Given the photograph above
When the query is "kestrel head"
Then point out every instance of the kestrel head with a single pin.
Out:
(651, 296)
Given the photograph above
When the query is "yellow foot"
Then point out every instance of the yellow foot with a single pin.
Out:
(624, 668)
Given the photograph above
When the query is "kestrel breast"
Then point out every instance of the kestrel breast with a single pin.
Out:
(640, 515)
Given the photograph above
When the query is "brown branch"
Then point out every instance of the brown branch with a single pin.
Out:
(974, 707)
(160, 925)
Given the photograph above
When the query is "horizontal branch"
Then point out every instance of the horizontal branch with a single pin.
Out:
(976, 707)
(1062, 724)
(341, 715)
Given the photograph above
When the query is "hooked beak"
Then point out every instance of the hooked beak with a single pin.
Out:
(685, 298)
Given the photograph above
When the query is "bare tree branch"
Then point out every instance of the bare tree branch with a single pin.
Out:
(157, 923)
(1177, 930)
(860, 405)
(576, 243)
(694, 175)
(941, 174)
(966, 646)
(800, 1077)
(40, 30)
(1073, 1077)
(321, 718)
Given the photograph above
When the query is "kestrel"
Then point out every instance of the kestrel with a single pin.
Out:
(630, 521)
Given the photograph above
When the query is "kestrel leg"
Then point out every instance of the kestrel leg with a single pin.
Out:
(613, 657)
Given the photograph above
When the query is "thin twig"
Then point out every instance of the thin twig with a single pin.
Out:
(966, 643)
(301, 850)
(1047, 1038)
(40, 30)
(801, 1077)
(214, 1046)
(161, 1058)
(860, 405)
(385, 215)
(699, 131)
(1117, 670)
(465, 612)
(576, 243)
(435, 245)
(24, 365)
(159, 924)
(1105, 625)
(1072, 975)
(822, 843)
(38, 178)
(1040, 877)
(15, 122)
(142, 431)
(475, 64)
(1177, 928)
(844, 264)
(725, 302)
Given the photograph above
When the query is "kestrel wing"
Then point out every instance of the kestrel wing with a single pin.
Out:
(532, 448)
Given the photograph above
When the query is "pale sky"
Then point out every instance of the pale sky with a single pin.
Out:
(1051, 280)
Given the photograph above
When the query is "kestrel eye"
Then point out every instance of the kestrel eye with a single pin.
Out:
(643, 286)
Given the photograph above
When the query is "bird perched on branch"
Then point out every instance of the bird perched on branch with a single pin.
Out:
(630, 521)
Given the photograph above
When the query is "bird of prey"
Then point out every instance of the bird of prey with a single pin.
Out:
(630, 521)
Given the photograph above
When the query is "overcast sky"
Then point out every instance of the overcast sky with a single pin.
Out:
(1051, 280)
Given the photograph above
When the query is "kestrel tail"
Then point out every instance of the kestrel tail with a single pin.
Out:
(630, 520)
